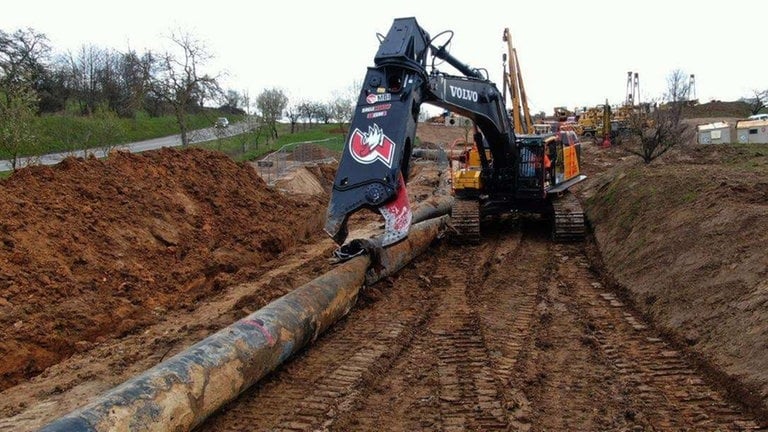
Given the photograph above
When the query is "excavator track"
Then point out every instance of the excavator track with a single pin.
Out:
(568, 222)
(465, 220)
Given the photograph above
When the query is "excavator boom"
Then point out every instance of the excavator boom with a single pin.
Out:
(374, 166)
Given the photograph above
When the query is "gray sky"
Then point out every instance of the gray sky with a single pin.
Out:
(572, 53)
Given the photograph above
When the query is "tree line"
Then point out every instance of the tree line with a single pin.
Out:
(106, 83)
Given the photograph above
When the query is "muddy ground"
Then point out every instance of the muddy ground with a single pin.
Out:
(656, 323)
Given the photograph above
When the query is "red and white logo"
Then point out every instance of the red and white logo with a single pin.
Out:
(381, 97)
(367, 148)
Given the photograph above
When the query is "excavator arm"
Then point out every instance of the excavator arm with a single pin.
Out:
(374, 163)
(373, 169)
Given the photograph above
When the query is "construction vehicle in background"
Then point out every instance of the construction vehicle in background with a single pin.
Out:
(607, 128)
(503, 172)
(591, 121)
(521, 115)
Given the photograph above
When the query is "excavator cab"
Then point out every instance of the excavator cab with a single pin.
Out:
(534, 174)
(548, 163)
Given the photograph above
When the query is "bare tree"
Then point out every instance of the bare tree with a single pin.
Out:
(757, 103)
(246, 101)
(323, 112)
(133, 76)
(17, 114)
(25, 56)
(235, 102)
(252, 133)
(271, 103)
(177, 80)
(650, 134)
(305, 112)
(85, 68)
(341, 110)
(344, 101)
(293, 113)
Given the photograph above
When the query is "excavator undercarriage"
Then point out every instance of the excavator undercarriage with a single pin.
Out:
(568, 221)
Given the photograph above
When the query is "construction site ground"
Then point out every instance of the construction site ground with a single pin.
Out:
(658, 322)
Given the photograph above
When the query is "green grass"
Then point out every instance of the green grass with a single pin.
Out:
(240, 147)
(63, 133)
(328, 136)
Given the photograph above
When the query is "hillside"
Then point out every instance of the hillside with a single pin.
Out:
(734, 109)
(685, 237)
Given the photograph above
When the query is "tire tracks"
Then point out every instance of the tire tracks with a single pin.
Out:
(667, 393)
(515, 333)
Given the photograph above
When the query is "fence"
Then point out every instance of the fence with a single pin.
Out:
(291, 156)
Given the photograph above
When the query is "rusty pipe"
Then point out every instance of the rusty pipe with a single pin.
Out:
(433, 207)
(183, 391)
(388, 261)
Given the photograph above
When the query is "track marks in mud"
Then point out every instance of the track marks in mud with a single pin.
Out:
(456, 373)
(325, 381)
(665, 388)
(469, 395)
(515, 333)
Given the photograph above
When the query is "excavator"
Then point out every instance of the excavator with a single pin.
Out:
(504, 172)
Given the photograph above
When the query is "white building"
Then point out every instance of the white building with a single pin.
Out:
(752, 131)
(714, 133)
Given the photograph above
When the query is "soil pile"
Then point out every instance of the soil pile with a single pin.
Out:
(686, 236)
(300, 181)
(438, 135)
(735, 109)
(97, 249)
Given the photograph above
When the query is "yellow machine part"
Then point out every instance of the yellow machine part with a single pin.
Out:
(467, 179)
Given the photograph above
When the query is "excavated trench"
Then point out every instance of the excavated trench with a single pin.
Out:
(514, 333)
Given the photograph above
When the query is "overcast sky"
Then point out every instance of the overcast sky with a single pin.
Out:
(572, 53)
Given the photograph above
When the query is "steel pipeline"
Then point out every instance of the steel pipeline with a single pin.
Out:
(183, 391)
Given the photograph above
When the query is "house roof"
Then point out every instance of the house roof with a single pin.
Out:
(711, 126)
(742, 124)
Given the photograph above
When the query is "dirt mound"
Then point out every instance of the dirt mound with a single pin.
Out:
(438, 135)
(686, 235)
(92, 249)
(301, 181)
(736, 109)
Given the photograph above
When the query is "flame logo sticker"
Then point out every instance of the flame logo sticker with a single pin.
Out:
(369, 147)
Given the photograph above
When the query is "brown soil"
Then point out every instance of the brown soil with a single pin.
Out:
(107, 268)
(439, 135)
(735, 109)
(94, 250)
(686, 237)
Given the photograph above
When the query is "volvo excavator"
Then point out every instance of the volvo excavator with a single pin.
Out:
(503, 172)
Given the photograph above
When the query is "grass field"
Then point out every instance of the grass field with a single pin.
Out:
(64, 133)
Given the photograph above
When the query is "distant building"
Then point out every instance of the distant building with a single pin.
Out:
(752, 131)
(714, 133)
(452, 119)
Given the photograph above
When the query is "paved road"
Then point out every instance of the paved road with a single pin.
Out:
(196, 136)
